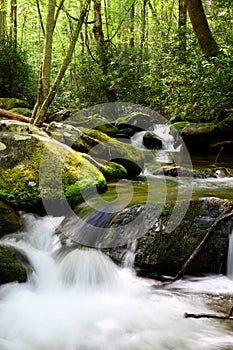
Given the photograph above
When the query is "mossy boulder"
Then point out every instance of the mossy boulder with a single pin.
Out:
(199, 136)
(138, 120)
(9, 103)
(113, 171)
(34, 167)
(18, 127)
(83, 119)
(13, 265)
(9, 220)
(23, 111)
(110, 149)
(100, 147)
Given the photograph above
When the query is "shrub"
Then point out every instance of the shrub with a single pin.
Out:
(16, 76)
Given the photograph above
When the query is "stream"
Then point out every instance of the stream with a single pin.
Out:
(80, 300)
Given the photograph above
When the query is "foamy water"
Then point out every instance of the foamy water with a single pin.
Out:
(80, 300)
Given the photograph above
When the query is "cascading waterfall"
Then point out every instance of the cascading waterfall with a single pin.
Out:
(163, 132)
(230, 257)
(80, 300)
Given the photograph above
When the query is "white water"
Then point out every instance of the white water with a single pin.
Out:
(163, 132)
(80, 300)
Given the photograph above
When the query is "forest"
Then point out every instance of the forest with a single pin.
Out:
(172, 56)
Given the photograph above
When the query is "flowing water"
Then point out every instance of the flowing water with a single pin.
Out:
(80, 300)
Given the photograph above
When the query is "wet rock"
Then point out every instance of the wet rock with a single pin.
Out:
(9, 220)
(13, 265)
(222, 148)
(161, 252)
(151, 141)
(164, 253)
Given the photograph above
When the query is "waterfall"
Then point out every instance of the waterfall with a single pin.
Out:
(80, 300)
(130, 255)
(163, 132)
(230, 257)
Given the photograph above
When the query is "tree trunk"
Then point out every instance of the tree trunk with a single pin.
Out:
(2, 19)
(43, 106)
(14, 22)
(102, 47)
(15, 116)
(143, 28)
(201, 28)
(182, 22)
(132, 15)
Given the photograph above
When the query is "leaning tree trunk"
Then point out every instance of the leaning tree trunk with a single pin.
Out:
(41, 110)
(201, 28)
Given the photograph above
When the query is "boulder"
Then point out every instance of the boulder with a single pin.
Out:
(82, 119)
(9, 220)
(110, 149)
(151, 141)
(23, 111)
(100, 146)
(163, 253)
(138, 121)
(13, 265)
(9, 103)
(34, 167)
(198, 136)
(158, 252)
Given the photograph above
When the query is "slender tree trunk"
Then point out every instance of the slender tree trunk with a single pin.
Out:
(2, 19)
(44, 105)
(182, 22)
(143, 29)
(132, 19)
(102, 47)
(201, 28)
(14, 22)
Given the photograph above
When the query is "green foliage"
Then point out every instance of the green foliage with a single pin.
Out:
(91, 85)
(195, 90)
(16, 76)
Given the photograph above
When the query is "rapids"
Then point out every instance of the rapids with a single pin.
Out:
(80, 300)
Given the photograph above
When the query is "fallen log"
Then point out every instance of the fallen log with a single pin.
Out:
(10, 115)
(221, 317)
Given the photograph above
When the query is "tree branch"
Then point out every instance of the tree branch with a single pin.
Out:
(200, 246)
(221, 317)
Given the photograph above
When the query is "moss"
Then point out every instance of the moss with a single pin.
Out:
(9, 220)
(180, 125)
(47, 169)
(11, 269)
(23, 111)
(130, 157)
(113, 171)
(9, 103)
